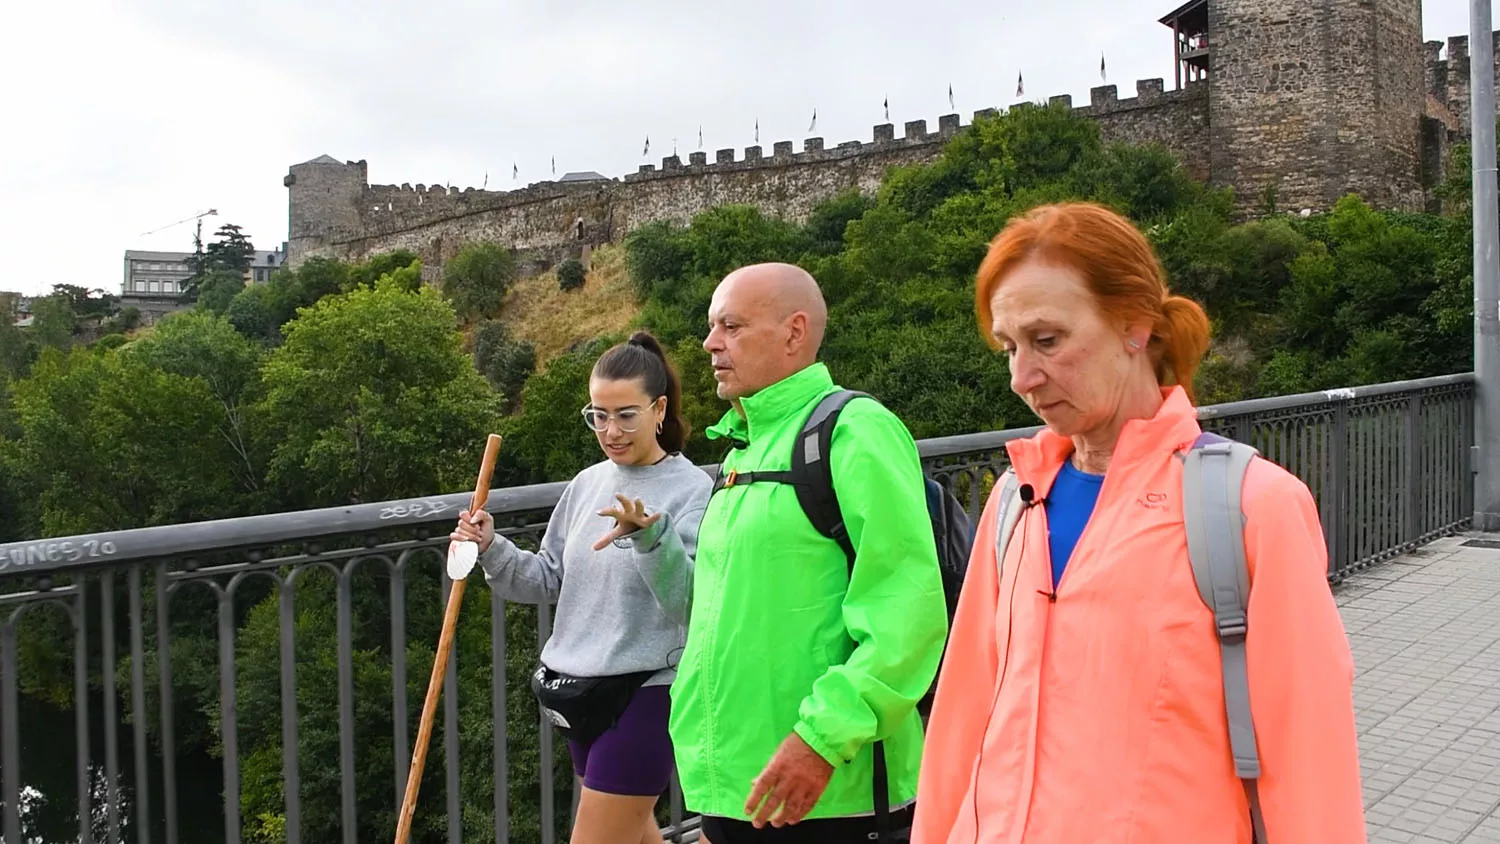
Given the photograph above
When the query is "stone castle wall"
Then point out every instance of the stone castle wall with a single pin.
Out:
(1447, 81)
(1308, 100)
(1315, 99)
(335, 212)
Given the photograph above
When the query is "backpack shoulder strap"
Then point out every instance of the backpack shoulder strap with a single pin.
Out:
(811, 474)
(1010, 514)
(1213, 474)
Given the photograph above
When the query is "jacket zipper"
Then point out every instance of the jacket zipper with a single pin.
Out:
(1088, 527)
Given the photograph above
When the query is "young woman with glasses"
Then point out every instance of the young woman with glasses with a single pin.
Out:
(617, 558)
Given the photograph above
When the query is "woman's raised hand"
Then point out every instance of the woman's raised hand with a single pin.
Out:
(629, 517)
(477, 527)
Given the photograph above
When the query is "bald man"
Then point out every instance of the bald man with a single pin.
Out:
(796, 696)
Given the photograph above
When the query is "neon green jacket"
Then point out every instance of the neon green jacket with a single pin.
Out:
(781, 638)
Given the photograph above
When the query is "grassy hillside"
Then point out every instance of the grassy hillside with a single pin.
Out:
(554, 320)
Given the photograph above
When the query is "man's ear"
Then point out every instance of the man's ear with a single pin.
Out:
(796, 337)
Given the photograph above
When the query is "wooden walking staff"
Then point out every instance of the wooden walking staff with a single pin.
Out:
(461, 559)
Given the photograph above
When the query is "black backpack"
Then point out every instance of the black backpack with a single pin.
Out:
(811, 476)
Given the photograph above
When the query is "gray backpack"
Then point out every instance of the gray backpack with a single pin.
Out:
(1212, 473)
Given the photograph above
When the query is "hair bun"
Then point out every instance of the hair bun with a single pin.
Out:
(645, 340)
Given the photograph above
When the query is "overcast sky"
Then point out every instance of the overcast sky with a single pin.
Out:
(124, 117)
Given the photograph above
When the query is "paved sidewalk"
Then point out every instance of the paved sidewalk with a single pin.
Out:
(1425, 630)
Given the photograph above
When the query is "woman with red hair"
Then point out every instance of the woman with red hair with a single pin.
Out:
(1082, 696)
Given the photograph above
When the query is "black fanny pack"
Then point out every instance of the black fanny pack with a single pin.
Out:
(582, 708)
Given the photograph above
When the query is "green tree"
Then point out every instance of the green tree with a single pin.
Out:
(477, 279)
(315, 278)
(106, 441)
(231, 254)
(716, 242)
(16, 351)
(86, 302)
(504, 361)
(205, 347)
(371, 398)
(217, 290)
(654, 252)
(407, 278)
(253, 313)
(11, 525)
(385, 263)
(827, 223)
(260, 310)
(128, 319)
(53, 322)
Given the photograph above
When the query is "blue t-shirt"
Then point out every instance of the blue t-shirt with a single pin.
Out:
(1069, 505)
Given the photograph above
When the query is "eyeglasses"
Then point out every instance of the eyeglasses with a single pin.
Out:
(628, 419)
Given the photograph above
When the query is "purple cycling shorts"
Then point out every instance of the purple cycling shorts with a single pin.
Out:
(634, 757)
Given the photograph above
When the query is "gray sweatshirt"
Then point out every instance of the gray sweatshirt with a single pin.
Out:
(623, 609)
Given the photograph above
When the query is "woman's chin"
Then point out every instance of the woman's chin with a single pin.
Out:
(623, 456)
(1059, 419)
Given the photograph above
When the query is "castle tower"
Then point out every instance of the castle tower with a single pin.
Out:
(1313, 99)
(1189, 23)
(323, 197)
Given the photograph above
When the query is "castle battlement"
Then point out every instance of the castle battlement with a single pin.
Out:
(1261, 117)
(1447, 80)
(382, 213)
(1104, 101)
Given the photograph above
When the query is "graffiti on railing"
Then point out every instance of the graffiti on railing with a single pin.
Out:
(66, 550)
(418, 510)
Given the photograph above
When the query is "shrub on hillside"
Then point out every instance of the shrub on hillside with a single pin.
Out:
(655, 252)
(477, 279)
(571, 274)
(504, 361)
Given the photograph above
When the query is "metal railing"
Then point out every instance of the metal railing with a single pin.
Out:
(1389, 465)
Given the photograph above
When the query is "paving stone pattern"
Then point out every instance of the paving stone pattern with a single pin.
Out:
(1425, 631)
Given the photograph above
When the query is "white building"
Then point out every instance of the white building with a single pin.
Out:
(154, 281)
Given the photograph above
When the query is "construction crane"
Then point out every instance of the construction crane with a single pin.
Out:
(198, 233)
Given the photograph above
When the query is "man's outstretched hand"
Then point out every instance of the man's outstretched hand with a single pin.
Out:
(789, 786)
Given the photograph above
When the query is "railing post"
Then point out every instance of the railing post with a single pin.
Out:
(1411, 482)
(291, 777)
(81, 711)
(497, 716)
(10, 731)
(1244, 429)
(1338, 485)
(164, 680)
(110, 696)
(143, 816)
(544, 742)
(229, 717)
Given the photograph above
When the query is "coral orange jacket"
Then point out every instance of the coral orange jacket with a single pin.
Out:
(1095, 714)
